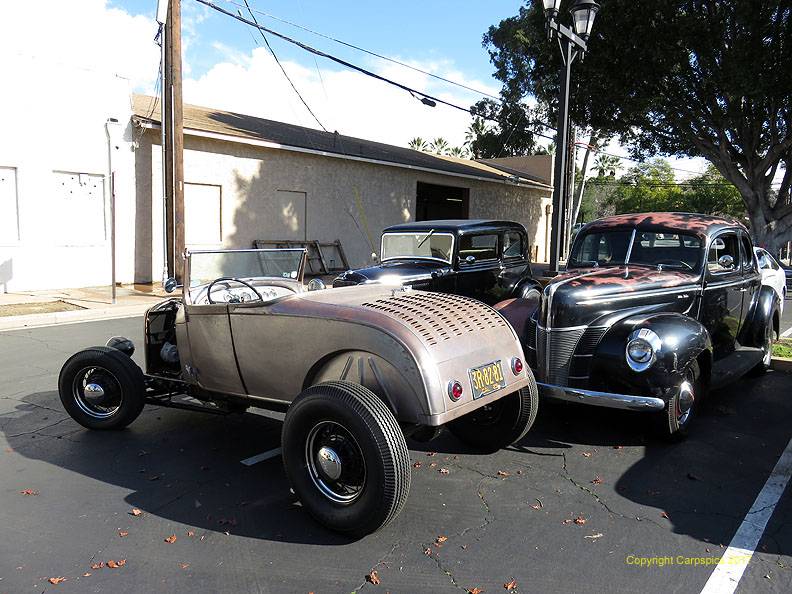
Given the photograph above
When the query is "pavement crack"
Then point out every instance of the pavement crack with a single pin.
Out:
(36, 431)
(380, 561)
(441, 566)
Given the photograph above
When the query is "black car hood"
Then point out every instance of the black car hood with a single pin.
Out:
(581, 296)
(405, 270)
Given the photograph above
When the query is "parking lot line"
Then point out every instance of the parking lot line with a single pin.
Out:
(261, 457)
(729, 571)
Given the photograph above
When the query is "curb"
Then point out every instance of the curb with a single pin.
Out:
(72, 317)
(782, 365)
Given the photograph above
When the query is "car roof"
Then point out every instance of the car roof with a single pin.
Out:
(699, 224)
(456, 225)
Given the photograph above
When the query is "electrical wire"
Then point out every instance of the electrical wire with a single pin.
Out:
(283, 70)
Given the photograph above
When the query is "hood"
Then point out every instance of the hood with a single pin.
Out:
(580, 296)
(406, 271)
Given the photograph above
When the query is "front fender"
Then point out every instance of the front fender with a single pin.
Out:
(683, 339)
(765, 310)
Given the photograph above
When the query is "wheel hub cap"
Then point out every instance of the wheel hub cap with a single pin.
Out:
(94, 391)
(329, 462)
(686, 399)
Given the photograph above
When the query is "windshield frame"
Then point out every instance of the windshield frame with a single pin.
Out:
(188, 254)
(425, 233)
(580, 237)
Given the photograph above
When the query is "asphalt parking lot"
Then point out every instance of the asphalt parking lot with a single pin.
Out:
(573, 508)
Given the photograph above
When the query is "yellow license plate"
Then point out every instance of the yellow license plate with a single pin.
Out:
(486, 379)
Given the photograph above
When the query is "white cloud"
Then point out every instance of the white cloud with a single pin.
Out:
(87, 34)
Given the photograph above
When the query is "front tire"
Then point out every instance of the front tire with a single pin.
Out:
(673, 424)
(500, 424)
(102, 388)
(346, 457)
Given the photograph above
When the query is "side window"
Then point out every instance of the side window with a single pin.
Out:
(512, 245)
(481, 247)
(724, 254)
(749, 263)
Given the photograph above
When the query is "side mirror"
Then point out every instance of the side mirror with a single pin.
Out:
(470, 260)
(316, 284)
(726, 262)
(170, 285)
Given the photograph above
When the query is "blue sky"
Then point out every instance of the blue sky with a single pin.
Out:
(420, 31)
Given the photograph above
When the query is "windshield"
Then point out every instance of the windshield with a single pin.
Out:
(652, 248)
(421, 244)
(208, 266)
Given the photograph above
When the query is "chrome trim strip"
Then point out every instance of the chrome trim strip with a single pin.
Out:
(603, 399)
(742, 281)
(630, 247)
(565, 329)
(633, 295)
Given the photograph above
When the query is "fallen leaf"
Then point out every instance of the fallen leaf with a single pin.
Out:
(503, 473)
(595, 536)
(417, 464)
(587, 454)
(427, 551)
(597, 481)
(171, 539)
(567, 521)
(136, 512)
(373, 577)
(475, 591)
(191, 533)
(440, 540)
(433, 464)
(443, 471)
(664, 515)
(97, 565)
(87, 574)
(123, 533)
(580, 520)
(618, 447)
(431, 453)
(56, 580)
(116, 564)
(29, 492)
(184, 565)
(510, 585)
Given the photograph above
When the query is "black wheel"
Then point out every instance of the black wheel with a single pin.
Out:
(346, 457)
(767, 352)
(673, 423)
(101, 388)
(499, 424)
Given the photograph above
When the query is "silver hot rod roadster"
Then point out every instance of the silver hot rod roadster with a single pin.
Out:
(354, 369)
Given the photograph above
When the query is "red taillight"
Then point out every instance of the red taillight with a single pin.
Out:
(454, 391)
(517, 366)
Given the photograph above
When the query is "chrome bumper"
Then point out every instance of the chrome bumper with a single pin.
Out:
(622, 401)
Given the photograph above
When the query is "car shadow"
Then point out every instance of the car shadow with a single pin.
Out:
(182, 466)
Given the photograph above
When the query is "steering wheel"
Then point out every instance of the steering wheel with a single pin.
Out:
(685, 264)
(227, 279)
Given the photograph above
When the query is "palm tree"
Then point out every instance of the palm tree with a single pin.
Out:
(606, 165)
(439, 146)
(418, 144)
(476, 129)
(459, 152)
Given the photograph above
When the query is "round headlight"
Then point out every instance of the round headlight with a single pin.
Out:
(642, 348)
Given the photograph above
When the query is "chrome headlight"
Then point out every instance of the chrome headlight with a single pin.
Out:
(642, 348)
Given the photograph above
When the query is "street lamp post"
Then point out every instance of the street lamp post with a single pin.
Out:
(573, 44)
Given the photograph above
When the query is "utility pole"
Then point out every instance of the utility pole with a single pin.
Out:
(172, 122)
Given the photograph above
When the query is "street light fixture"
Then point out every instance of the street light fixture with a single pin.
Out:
(573, 44)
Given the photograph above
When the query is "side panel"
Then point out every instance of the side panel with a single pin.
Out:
(212, 363)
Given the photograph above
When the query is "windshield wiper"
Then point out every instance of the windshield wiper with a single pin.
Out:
(423, 241)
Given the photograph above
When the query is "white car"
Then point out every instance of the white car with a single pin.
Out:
(772, 274)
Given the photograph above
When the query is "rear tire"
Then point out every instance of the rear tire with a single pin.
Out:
(346, 457)
(767, 353)
(102, 388)
(673, 424)
(500, 424)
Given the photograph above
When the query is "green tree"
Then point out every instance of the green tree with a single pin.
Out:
(705, 78)
(439, 145)
(506, 133)
(606, 165)
(418, 144)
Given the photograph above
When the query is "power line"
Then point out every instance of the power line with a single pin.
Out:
(283, 70)
(371, 53)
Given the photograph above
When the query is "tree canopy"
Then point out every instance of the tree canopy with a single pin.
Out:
(708, 78)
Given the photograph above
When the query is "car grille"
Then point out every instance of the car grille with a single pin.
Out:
(562, 357)
(438, 316)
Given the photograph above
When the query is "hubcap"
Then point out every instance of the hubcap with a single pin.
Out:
(768, 350)
(335, 462)
(97, 392)
(685, 402)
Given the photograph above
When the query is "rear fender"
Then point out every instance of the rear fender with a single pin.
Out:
(683, 339)
(765, 311)
(517, 312)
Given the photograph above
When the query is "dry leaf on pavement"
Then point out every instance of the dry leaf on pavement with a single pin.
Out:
(191, 533)
(56, 580)
(97, 565)
(595, 536)
(475, 591)
(503, 473)
(510, 585)
(30, 492)
(417, 464)
(87, 574)
(123, 533)
(587, 454)
(373, 577)
(171, 539)
(443, 471)
(664, 515)
(596, 481)
(580, 520)
(184, 565)
(136, 512)
(116, 564)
